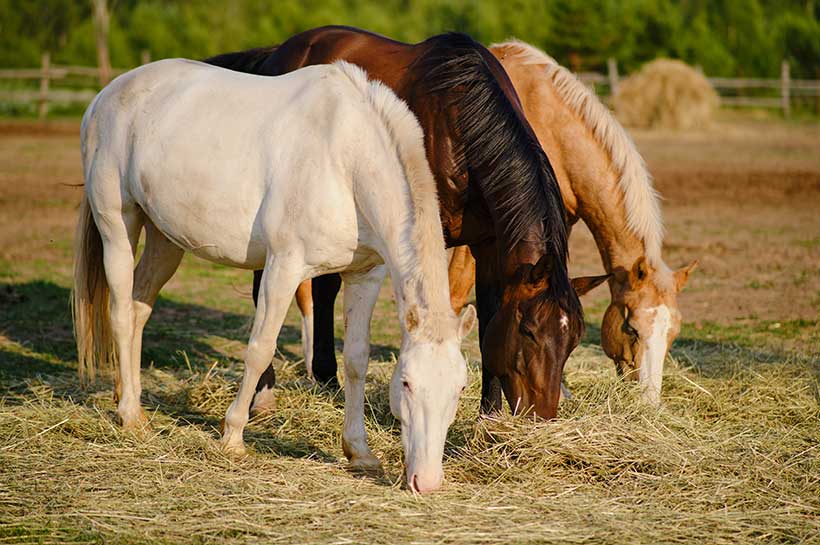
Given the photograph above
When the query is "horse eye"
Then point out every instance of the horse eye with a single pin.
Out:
(406, 385)
(629, 330)
(527, 333)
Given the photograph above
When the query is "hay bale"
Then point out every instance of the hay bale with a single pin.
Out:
(667, 94)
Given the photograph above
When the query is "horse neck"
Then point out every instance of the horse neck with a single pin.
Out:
(590, 182)
(419, 277)
(407, 221)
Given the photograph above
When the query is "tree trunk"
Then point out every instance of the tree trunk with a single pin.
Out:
(101, 28)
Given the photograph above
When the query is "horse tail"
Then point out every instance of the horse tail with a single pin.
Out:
(89, 299)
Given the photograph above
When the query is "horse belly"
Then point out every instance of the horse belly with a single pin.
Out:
(335, 236)
(215, 225)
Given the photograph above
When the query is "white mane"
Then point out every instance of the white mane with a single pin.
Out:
(429, 280)
(640, 198)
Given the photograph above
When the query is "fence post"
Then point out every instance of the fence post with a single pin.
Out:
(145, 56)
(785, 80)
(612, 72)
(45, 63)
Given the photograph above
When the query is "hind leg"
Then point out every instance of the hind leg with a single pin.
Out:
(461, 272)
(361, 292)
(263, 399)
(120, 231)
(158, 263)
(279, 280)
(304, 300)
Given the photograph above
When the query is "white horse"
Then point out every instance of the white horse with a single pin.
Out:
(313, 172)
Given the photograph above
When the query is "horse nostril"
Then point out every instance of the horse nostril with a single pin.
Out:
(414, 485)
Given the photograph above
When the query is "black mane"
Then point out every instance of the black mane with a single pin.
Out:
(518, 181)
(249, 61)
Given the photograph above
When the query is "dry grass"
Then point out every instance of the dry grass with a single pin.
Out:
(666, 94)
(728, 459)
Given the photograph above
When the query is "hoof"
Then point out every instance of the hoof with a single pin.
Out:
(331, 385)
(234, 449)
(135, 421)
(365, 463)
(307, 383)
(264, 401)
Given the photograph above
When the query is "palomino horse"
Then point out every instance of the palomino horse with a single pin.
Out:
(314, 172)
(497, 194)
(605, 183)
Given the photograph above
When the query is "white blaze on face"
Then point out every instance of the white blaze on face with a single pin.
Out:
(564, 321)
(424, 393)
(651, 371)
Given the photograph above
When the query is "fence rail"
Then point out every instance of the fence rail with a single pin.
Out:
(727, 87)
(49, 72)
(787, 88)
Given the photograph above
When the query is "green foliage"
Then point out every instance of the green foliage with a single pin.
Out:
(725, 37)
(799, 39)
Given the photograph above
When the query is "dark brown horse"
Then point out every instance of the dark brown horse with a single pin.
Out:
(497, 191)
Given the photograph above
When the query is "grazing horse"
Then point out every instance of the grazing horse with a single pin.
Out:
(604, 182)
(497, 191)
(309, 173)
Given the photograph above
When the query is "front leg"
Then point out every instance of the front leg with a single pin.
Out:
(488, 301)
(361, 292)
(263, 398)
(279, 281)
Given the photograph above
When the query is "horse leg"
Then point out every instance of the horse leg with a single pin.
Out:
(324, 289)
(263, 398)
(462, 276)
(361, 292)
(120, 234)
(304, 300)
(279, 280)
(565, 393)
(488, 302)
(158, 263)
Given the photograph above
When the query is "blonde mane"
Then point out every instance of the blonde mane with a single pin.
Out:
(640, 199)
(428, 283)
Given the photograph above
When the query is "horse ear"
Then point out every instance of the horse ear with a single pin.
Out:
(640, 271)
(584, 284)
(466, 321)
(682, 274)
(540, 271)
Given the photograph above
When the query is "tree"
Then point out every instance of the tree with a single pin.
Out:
(799, 41)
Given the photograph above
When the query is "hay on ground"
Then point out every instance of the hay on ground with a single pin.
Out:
(666, 94)
(729, 459)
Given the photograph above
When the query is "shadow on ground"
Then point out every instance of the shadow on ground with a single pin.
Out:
(37, 316)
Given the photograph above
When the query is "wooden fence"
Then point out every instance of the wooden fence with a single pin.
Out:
(50, 72)
(729, 88)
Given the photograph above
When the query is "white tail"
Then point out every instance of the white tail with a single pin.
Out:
(92, 326)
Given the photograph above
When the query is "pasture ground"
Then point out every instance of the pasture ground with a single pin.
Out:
(733, 456)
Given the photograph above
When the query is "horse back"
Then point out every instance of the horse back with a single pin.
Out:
(224, 163)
